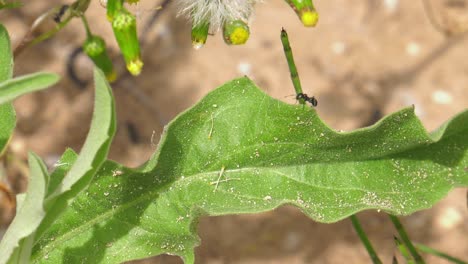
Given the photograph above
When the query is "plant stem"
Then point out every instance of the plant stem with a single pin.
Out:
(29, 40)
(362, 235)
(435, 252)
(403, 251)
(76, 9)
(86, 25)
(292, 66)
(405, 239)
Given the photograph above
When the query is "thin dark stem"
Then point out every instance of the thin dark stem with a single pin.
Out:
(405, 239)
(362, 235)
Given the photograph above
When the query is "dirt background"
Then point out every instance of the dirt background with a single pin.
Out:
(364, 57)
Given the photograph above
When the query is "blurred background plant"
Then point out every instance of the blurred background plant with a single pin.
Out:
(363, 59)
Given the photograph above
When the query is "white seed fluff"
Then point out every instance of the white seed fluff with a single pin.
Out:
(216, 12)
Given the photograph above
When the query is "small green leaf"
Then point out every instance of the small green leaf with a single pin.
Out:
(101, 132)
(240, 151)
(62, 167)
(12, 88)
(16, 244)
(7, 112)
(16, 87)
(92, 155)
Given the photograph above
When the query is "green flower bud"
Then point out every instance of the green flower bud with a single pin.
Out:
(200, 34)
(236, 32)
(306, 11)
(95, 48)
(113, 7)
(124, 26)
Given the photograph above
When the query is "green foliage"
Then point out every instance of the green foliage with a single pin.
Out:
(47, 199)
(7, 113)
(10, 5)
(7, 124)
(12, 88)
(236, 151)
(17, 242)
(240, 151)
(6, 63)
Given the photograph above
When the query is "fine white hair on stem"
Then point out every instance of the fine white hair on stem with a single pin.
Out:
(216, 12)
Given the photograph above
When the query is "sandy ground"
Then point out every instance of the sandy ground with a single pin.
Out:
(363, 57)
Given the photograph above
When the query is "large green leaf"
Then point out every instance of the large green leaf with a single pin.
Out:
(240, 151)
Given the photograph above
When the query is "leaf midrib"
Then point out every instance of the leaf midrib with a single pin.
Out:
(165, 188)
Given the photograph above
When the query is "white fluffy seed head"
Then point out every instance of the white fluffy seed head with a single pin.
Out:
(217, 12)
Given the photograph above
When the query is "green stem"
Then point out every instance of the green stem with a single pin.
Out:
(80, 6)
(50, 33)
(86, 25)
(77, 8)
(28, 42)
(435, 252)
(405, 239)
(292, 66)
(367, 244)
(403, 251)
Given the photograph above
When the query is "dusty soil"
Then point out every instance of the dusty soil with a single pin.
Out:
(363, 57)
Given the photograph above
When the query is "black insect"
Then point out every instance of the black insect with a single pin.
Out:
(306, 98)
(58, 16)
